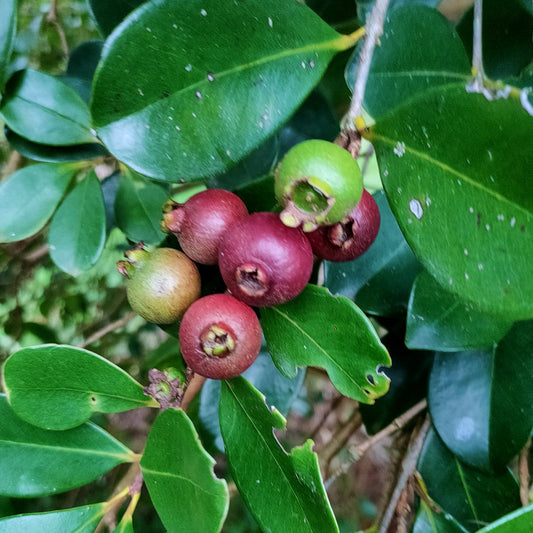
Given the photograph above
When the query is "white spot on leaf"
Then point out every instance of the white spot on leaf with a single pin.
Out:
(400, 149)
(416, 208)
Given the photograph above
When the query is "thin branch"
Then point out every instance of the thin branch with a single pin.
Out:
(120, 323)
(373, 31)
(359, 450)
(408, 467)
(477, 47)
(52, 19)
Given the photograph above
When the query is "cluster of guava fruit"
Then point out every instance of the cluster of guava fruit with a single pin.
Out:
(265, 259)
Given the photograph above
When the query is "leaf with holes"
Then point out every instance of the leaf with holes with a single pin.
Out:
(345, 344)
(465, 207)
(60, 387)
(185, 108)
(284, 491)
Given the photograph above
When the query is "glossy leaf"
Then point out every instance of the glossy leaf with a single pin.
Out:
(279, 391)
(439, 320)
(520, 521)
(179, 476)
(77, 520)
(463, 206)
(346, 345)
(380, 280)
(430, 521)
(473, 498)
(418, 49)
(125, 525)
(60, 387)
(77, 231)
(138, 208)
(44, 110)
(29, 197)
(482, 402)
(108, 15)
(53, 154)
(283, 491)
(37, 462)
(8, 26)
(210, 105)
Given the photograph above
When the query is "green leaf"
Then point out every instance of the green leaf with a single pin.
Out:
(8, 27)
(279, 391)
(440, 320)
(53, 154)
(418, 49)
(346, 345)
(482, 402)
(37, 462)
(517, 522)
(188, 108)
(138, 208)
(429, 521)
(283, 491)
(60, 387)
(125, 525)
(29, 197)
(464, 206)
(108, 15)
(77, 231)
(44, 110)
(364, 7)
(77, 520)
(473, 498)
(179, 476)
(379, 281)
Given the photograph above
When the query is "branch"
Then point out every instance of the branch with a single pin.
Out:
(358, 451)
(121, 322)
(374, 30)
(407, 469)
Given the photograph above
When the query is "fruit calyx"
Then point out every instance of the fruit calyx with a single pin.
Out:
(307, 203)
(217, 340)
(173, 216)
(342, 233)
(252, 279)
(138, 254)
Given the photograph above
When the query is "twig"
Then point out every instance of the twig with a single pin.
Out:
(373, 31)
(477, 46)
(340, 438)
(51, 18)
(121, 322)
(359, 450)
(524, 476)
(407, 469)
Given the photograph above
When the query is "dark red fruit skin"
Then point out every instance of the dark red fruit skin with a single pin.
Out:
(202, 220)
(282, 257)
(232, 315)
(350, 239)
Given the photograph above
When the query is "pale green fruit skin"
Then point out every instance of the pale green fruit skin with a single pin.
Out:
(163, 286)
(330, 169)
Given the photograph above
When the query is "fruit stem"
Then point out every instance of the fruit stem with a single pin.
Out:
(217, 340)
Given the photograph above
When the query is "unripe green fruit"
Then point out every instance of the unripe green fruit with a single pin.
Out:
(317, 183)
(162, 284)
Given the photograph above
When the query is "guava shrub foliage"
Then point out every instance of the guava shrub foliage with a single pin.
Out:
(199, 105)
